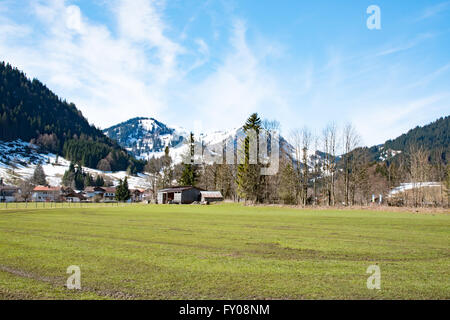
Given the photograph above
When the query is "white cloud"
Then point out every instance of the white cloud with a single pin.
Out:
(109, 78)
(136, 72)
(434, 10)
(382, 121)
(140, 21)
(73, 19)
(237, 87)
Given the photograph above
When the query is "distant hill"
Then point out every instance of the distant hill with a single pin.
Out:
(31, 112)
(433, 137)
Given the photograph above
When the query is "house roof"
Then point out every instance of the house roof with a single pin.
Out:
(45, 188)
(179, 189)
(6, 187)
(109, 189)
(75, 195)
(92, 189)
(212, 194)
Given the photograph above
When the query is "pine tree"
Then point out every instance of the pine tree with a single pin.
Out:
(287, 190)
(126, 192)
(189, 175)
(248, 175)
(39, 177)
(88, 182)
(119, 191)
(99, 181)
(122, 191)
(167, 169)
(69, 176)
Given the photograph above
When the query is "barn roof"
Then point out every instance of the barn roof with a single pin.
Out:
(179, 189)
(7, 187)
(211, 194)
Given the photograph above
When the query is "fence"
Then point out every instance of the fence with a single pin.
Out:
(63, 205)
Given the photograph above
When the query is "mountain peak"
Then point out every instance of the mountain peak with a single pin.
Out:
(145, 136)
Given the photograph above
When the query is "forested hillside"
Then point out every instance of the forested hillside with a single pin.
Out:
(431, 137)
(31, 112)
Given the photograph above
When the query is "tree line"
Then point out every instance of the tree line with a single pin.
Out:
(342, 173)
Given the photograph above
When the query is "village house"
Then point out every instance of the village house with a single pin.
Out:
(8, 193)
(137, 195)
(96, 194)
(91, 192)
(148, 196)
(46, 194)
(110, 194)
(73, 196)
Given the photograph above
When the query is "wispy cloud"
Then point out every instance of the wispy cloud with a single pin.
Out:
(408, 45)
(434, 10)
(238, 86)
(113, 77)
(392, 118)
(425, 80)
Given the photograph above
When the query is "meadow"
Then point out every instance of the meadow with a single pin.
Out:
(225, 251)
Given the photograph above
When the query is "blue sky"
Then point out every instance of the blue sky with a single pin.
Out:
(212, 63)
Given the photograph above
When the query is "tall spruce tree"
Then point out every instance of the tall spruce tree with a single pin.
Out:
(167, 169)
(248, 175)
(126, 192)
(189, 175)
(119, 191)
(76, 178)
(39, 177)
(122, 192)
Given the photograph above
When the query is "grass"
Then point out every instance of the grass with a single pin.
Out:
(222, 252)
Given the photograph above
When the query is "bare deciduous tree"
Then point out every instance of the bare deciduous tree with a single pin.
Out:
(350, 140)
(329, 145)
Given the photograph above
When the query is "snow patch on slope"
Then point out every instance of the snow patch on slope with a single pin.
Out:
(18, 160)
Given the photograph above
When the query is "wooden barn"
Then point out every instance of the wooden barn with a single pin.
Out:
(179, 195)
(211, 196)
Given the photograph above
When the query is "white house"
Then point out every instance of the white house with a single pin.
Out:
(46, 194)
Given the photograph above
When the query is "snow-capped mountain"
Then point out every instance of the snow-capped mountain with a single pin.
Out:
(144, 137)
(147, 137)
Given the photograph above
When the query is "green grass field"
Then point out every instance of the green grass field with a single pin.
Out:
(222, 252)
